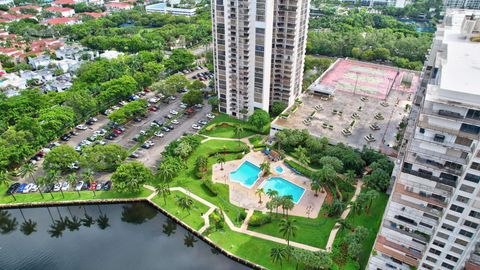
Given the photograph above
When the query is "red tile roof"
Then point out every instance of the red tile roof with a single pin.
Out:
(93, 14)
(62, 20)
(64, 2)
(58, 9)
(17, 9)
(118, 5)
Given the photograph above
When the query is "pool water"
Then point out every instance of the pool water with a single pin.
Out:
(279, 169)
(247, 174)
(284, 188)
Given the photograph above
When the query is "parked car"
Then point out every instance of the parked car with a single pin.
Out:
(13, 187)
(117, 131)
(101, 142)
(143, 132)
(153, 124)
(81, 127)
(27, 188)
(173, 112)
(202, 122)
(65, 186)
(85, 185)
(158, 134)
(168, 116)
(171, 127)
(134, 155)
(107, 185)
(183, 106)
(79, 186)
(199, 106)
(210, 116)
(34, 188)
(158, 122)
(165, 129)
(110, 136)
(195, 126)
(21, 188)
(93, 185)
(48, 188)
(137, 119)
(73, 133)
(98, 186)
(175, 122)
(152, 109)
(65, 138)
(57, 187)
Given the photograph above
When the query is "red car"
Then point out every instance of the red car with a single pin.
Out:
(117, 131)
(40, 154)
(93, 186)
(146, 90)
(152, 109)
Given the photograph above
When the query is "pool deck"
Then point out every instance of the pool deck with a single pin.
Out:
(308, 206)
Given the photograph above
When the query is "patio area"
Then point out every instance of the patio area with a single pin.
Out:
(307, 206)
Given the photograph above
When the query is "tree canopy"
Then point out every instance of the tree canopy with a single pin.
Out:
(130, 177)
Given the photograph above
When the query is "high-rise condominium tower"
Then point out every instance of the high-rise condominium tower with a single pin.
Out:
(432, 220)
(259, 52)
(471, 4)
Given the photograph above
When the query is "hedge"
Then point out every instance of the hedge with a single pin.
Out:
(258, 219)
(210, 186)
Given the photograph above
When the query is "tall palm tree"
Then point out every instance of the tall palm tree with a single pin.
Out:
(315, 186)
(288, 229)
(102, 222)
(74, 224)
(163, 190)
(221, 159)
(287, 203)
(301, 154)
(88, 176)
(8, 223)
(238, 132)
(185, 203)
(189, 240)
(54, 177)
(28, 227)
(45, 181)
(169, 227)
(72, 181)
(28, 169)
(265, 167)
(371, 195)
(272, 193)
(166, 172)
(260, 192)
(5, 179)
(278, 255)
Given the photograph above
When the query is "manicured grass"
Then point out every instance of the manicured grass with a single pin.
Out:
(251, 248)
(227, 130)
(311, 231)
(194, 219)
(371, 221)
(189, 181)
(69, 196)
(256, 140)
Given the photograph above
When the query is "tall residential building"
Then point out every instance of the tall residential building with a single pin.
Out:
(432, 220)
(471, 4)
(259, 52)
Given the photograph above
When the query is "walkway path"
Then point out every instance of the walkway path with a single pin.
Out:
(344, 215)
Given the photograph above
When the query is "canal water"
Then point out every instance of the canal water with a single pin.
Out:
(115, 236)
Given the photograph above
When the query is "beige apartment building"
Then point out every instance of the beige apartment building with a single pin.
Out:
(259, 49)
(432, 220)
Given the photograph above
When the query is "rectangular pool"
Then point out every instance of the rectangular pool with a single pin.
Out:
(284, 188)
(246, 174)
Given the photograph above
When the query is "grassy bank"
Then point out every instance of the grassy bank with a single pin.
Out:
(223, 126)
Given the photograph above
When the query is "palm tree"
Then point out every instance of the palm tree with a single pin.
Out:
(350, 176)
(87, 221)
(185, 203)
(102, 222)
(238, 132)
(344, 224)
(162, 189)
(57, 228)
(189, 240)
(221, 159)
(166, 172)
(54, 177)
(272, 193)
(371, 195)
(288, 229)
(28, 169)
(74, 224)
(301, 154)
(315, 186)
(72, 181)
(88, 176)
(8, 223)
(259, 192)
(278, 255)
(5, 179)
(169, 227)
(287, 203)
(28, 226)
(265, 167)
(44, 181)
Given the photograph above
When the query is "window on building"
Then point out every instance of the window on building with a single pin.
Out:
(472, 178)
(452, 218)
(474, 214)
(448, 266)
(439, 138)
(456, 250)
(466, 188)
(462, 199)
(457, 208)
(463, 141)
(442, 235)
(426, 266)
(470, 224)
(467, 128)
(461, 242)
(422, 130)
(438, 243)
(466, 233)
(451, 258)
(425, 225)
(436, 252)
(473, 114)
(430, 259)
(447, 227)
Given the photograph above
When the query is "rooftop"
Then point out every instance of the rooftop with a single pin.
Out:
(462, 58)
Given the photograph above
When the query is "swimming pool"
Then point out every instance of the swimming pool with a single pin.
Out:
(284, 188)
(247, 174)
(279, 169)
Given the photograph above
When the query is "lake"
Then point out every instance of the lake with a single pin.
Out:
(114, 236)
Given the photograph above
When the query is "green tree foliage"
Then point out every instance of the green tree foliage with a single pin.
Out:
(180, 59)
(171, 85)
(118, 89)
(378, 179)
(196, 85)
(336, 163)
(278, 108)
(61, 158)
(129, 111)
(193, 97)
(104, 157)
(82, 103)
(259, 119)
(130, 177)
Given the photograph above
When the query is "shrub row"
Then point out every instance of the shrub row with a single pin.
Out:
(259, 219)
(210, 186)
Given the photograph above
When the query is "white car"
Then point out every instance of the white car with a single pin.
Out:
(65, 186)
(158, 134)
(81, 127)
(153, 124)
(183, 105)
(123, 103)
(195, 126)
(143, 132)
(79, 186)
(153, 100)
(175, 122)
(115, 107)
(94, 119)
(150, 143)
(109, 111)
(101, 142)
(34, 188)
(173, 112)
(172, 97)
(86, 142)
(28, 188)
(57, 187)
(210, 116)
(78, 148)
(199, 106)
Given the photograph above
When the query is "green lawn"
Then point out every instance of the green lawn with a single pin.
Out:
(194, 219)
(69, 196)
(253, 249)
(227, 130)
(311, 231)
(370, 221)
(189, 181)
(256, 140)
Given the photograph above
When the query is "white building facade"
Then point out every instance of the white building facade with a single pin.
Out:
(259, 49)
(432, 220)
